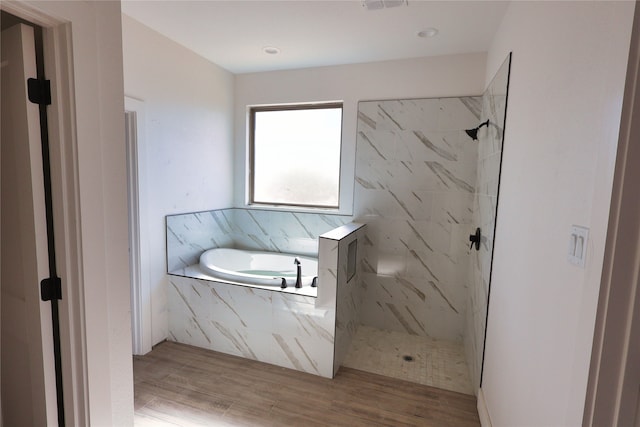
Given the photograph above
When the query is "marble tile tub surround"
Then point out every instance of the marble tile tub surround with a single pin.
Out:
(485, 204)
(295, 331)
(415, 180)
(272, 327)
(190, 234)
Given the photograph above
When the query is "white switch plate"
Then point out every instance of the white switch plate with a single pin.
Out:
(578, 245)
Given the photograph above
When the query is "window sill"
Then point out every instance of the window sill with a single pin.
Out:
(292, 208)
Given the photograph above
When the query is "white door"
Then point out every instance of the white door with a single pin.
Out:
(26, 350)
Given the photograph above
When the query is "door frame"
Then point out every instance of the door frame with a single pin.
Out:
(138, 230)
(612, 392)
(58, 60)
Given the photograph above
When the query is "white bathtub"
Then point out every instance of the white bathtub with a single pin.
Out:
(257, 268)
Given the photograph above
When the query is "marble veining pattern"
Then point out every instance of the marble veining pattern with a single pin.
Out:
(415, 182)
(187, 238)
(277, 328)
(190, 234)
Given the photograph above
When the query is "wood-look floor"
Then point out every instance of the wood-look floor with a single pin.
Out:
(177, 384)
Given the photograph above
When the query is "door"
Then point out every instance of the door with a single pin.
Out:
(613, 392)
(26, 349)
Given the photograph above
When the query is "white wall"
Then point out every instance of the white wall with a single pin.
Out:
(189, 155)
(565, 98)
(456, 75)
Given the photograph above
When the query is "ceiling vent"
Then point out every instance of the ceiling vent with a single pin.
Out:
(382, 4)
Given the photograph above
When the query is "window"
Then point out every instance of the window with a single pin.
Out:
(295, 155)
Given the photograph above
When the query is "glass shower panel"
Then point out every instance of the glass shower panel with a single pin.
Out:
(485, 207)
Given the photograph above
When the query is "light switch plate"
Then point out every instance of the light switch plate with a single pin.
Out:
(578, 238)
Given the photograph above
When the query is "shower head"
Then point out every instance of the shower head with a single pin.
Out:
(473, 133)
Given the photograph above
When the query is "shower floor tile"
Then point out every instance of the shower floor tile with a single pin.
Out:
(437, 363)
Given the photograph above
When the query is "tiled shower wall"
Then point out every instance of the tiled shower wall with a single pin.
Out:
(484, 214)
(188, 235)
(415, 181)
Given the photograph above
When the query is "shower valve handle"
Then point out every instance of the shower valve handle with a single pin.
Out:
(475, 239)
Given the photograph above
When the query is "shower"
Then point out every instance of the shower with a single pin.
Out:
(473, 133)
(424, 312)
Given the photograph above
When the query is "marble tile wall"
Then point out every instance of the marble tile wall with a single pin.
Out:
(415, 183)
(278, 328)
(485, 204)
(335, 247)
(190, 234)
(278, 231)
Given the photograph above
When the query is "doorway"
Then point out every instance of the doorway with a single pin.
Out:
(138, 239)
(31, 375)
(613, 391)
(54, 39)
(83, 58)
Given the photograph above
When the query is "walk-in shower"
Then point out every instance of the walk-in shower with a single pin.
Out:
(424, 191)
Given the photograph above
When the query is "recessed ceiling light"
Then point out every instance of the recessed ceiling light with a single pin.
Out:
(271, 50)
(428, 33)
(381, 4)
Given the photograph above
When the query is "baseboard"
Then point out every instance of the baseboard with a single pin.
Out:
(483, 412)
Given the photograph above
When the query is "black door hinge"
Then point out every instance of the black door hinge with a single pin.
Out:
(50, 289)
(39, 91)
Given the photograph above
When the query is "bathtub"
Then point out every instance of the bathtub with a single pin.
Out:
(256, 267)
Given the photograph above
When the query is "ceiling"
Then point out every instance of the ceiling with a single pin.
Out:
(313, 33)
